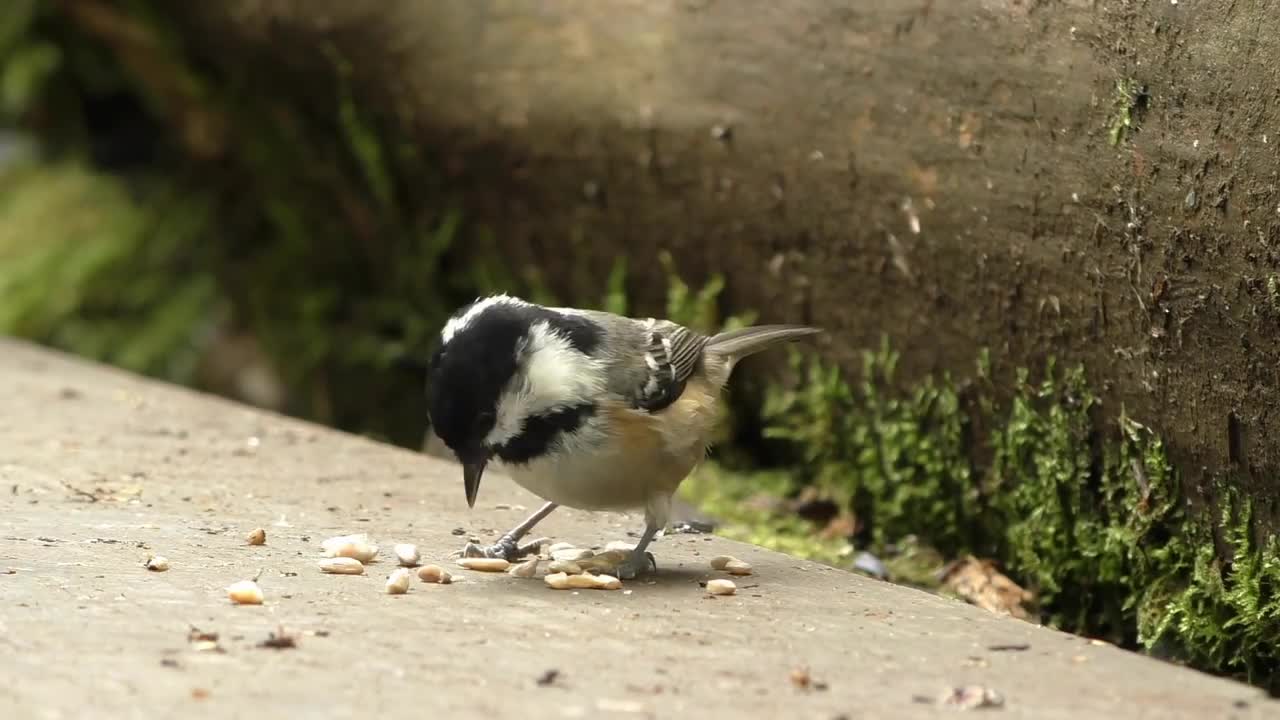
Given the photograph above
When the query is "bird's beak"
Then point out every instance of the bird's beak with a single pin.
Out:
(472, 470)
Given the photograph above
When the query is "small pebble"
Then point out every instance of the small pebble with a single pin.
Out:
(245, 592)
(971, 697)
(398, 581)
(155, 563)
(342, 566)
(434, 574)
(721, 587)
(407, 554)
(258, 537)
(871, 565)
(484, 564)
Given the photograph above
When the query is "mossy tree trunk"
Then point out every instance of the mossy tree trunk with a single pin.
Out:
(1091, 180)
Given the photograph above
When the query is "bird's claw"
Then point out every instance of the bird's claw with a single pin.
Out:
(634, 567)
(506, 548)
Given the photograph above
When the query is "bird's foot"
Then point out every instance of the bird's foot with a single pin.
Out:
(636, 565)
(508, 548)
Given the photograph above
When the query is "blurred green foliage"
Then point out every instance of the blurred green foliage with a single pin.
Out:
(312, 230)
(86, 267)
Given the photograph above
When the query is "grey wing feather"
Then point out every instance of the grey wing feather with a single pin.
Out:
(750, 340)
(672, 355)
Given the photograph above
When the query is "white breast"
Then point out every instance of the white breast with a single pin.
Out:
(589, 474)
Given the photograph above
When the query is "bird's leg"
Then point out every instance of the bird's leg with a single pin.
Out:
(508, 546)
(640, 560)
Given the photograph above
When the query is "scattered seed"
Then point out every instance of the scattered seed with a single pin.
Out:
(245, 592)
(398, 581)
(407, 554)
(606, 582)
(721, 587)
(484, 564)
(280, 640)
(351, 546)
(342, 566)
(571, 554)
(434, 574)
(202, 641)
(1009, 647)
(526, 569)
(622, 545)
(561, 546)
(561, 581)
(737, 567)
(565, 566)
(720, 562)
(801, 678)
(156, 563)
(258, 537)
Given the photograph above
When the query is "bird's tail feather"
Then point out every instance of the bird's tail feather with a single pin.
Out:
(746, 341)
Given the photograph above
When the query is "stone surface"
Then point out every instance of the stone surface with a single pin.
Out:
(100, 470)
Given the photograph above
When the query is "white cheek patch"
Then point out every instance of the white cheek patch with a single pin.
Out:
(552, 375)
(459, 323)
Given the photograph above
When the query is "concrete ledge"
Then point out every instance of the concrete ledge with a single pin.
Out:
(101, 469)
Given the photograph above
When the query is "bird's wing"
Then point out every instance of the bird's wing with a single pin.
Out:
(672, 354)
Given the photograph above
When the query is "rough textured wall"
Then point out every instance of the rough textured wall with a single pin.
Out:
(1094, 180)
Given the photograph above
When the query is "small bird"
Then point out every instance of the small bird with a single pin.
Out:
(584, 408)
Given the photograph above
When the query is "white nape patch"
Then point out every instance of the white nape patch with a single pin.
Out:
(552, 375)
(460, 322)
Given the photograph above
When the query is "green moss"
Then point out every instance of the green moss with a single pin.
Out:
(1127, 103)
(1089, 516)
(899, 462)
(1220, 615)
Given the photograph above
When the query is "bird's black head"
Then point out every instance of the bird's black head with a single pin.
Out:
(506, 380)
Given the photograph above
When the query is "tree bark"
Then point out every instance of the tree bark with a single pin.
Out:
(957, 174)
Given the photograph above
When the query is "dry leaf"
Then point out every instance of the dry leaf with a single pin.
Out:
(979, 582)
